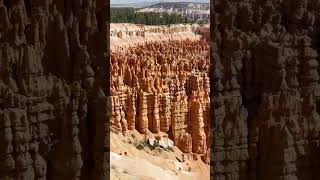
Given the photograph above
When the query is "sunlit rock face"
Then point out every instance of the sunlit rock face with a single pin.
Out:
(52, 89)
(161, 84)
(265, 90)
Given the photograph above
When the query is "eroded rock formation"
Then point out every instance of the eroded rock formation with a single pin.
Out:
(163, 87)
(265, 90)
(52, 56)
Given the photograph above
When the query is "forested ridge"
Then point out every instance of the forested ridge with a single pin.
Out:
(129, 15)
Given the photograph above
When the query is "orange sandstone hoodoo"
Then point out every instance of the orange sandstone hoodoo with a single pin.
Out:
(163, 87)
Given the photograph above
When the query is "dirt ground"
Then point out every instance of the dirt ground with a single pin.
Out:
(132, 159)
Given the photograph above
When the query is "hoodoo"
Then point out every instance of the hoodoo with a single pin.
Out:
(159, 78)
(266, 90)
(166, 79)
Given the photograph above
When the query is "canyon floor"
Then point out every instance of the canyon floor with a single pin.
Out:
(128, 161)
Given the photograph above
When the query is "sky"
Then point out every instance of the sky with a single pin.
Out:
(139, 1)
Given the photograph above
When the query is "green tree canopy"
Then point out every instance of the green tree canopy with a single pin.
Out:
(130, 15)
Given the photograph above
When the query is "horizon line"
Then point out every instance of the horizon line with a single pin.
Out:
(159, 1)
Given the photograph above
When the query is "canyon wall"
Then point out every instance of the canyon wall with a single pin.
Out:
(162, 85)
(52, 89)
(124, 35)
(265, 90)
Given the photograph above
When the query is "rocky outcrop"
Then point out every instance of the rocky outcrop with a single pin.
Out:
(163, 88)
(52, 66)
(265, 89)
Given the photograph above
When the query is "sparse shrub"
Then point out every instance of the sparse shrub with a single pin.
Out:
(114, 131)
(125, 171)
(170, 149)
(158, 150)
(141, 145)
(156, 144)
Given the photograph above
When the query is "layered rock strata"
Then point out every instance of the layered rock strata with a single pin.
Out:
(163, 87)
(265, 90)
(52, 56)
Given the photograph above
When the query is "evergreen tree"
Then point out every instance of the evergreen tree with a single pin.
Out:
(130, 15)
